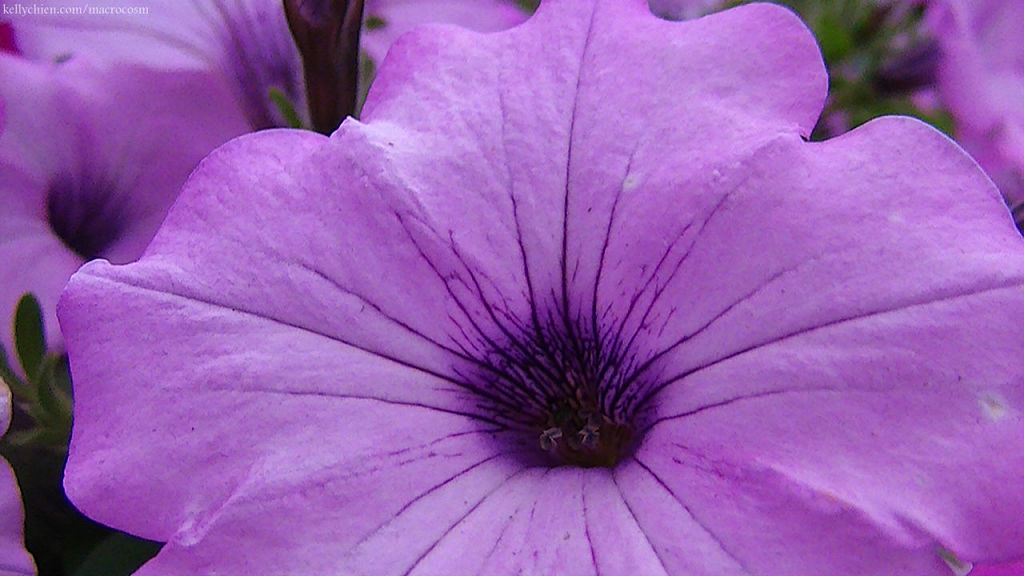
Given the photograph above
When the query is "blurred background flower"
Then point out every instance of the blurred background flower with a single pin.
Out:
(246, 42)
(118, 145)
(981, 82)
(14, 560)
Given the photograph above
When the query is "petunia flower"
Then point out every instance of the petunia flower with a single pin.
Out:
(14, 560)
(246, 42)
(90, 161)
(981, 81)
(577, 298)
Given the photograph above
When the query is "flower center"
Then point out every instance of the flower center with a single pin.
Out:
(570, 388)
(84, 216)
(585, 437)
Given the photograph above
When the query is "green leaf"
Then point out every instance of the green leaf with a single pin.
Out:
(13, 381)
(833, 37)
(367, 72)
(959, 567)
(529, 6)
(286, 108)
(29, 335)
(118, 555)
(374, 22)
(54, 402)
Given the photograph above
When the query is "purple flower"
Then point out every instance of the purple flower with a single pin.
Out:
(981, 81)
(90, 161)
(577, 298)
(14, 560)
(246, 42)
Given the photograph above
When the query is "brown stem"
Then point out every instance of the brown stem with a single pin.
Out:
(327, 35)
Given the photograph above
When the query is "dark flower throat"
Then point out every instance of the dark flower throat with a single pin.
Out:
(84, 216)
(571, 388)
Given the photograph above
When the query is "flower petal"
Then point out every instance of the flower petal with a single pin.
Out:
(893, 313)
(744, 520)
(14, 561)
(397, 17)
(807, 235)
(981, 78)
(549, 148)
(356, 486)
(564, 521)
(33, 258)
(903, 418)
(247, 311)
(244, 44)
(1014, 569)
(159, 34)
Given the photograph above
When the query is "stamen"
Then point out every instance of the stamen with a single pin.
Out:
(562, 384)
(549, 439)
